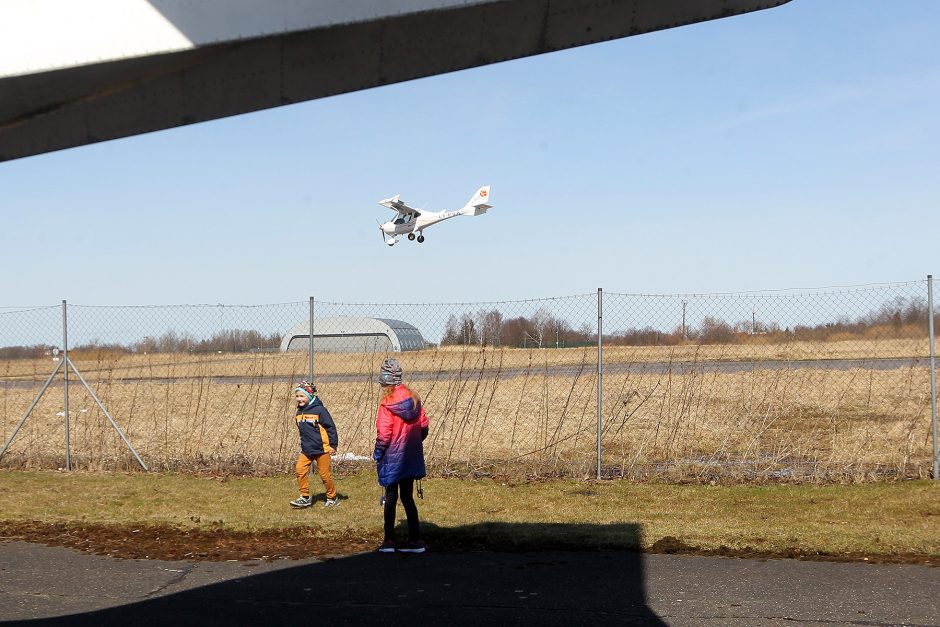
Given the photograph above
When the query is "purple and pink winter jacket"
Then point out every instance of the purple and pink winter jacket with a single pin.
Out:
(401, 426)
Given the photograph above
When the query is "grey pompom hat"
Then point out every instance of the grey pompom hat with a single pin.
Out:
(390, 373)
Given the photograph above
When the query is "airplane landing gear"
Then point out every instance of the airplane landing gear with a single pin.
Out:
(411, 237)
(420, 238)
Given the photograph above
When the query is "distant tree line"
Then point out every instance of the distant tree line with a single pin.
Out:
(25, 352)
(900, 318)
(491, 328)
(227, 341)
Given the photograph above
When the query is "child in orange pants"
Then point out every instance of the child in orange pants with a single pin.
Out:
(318, 441)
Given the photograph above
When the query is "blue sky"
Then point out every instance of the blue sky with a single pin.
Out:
(796, 147)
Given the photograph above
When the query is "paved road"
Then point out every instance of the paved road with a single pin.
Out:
(567, 370)
(56, 586)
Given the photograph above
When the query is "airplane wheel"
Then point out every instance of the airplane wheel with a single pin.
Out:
(411, 237)
(420, 238)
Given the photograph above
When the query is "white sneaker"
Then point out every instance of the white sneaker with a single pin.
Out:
(303, 501)
(332, 503)
(411, 546)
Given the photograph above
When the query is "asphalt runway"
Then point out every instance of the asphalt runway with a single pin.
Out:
(55, 586)
(568, 370)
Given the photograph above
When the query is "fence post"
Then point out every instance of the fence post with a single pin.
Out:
(933, 377)
(600, 374)
(65, 372)
(310, 341)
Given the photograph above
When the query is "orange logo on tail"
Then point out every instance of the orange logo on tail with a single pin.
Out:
(483, 193)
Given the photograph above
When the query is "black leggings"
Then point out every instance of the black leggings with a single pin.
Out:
(406, 487)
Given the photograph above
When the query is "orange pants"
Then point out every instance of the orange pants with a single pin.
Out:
(302, 469)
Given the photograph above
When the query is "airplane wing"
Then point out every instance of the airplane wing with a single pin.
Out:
(395, 204)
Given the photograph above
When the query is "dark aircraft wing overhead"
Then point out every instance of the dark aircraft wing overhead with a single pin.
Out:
(220, 75)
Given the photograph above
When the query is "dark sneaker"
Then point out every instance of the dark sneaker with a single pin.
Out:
(332, 503)
(387, 547)
(303, 501)
(412, 546)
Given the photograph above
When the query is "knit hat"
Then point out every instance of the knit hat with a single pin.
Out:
(307, 389)
(390, 374)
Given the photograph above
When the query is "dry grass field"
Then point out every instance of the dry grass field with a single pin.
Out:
(502, 411)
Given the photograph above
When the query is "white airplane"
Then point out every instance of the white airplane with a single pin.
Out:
(410, 220)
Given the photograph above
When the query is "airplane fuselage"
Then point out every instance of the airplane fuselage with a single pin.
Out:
(408, 224)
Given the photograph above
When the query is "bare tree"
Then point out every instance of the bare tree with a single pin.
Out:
(490, 325)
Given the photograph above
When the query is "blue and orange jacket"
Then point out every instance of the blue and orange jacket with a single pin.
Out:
(316, 428)
(401, 426)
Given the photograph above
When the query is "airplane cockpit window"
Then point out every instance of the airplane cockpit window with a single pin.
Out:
(400, 220)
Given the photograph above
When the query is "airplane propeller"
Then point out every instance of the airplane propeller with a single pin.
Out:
(386, 240)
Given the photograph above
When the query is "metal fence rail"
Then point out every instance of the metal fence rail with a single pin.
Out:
(788, 384)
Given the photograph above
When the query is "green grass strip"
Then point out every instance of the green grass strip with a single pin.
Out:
(880, 519)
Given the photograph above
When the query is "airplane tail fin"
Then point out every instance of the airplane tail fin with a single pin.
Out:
(477, 205)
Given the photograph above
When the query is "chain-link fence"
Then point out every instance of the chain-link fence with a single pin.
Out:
(825, 384)
(785, 385)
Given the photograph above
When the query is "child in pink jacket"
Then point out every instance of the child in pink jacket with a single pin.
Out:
(401, 427)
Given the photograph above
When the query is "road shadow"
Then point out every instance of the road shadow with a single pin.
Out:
(530, 573)
(526, 536)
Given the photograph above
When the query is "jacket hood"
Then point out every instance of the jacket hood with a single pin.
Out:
(403, 405)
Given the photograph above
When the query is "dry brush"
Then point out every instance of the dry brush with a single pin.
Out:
(790, 413)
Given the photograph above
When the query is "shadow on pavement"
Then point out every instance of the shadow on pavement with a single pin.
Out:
(528, 585)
